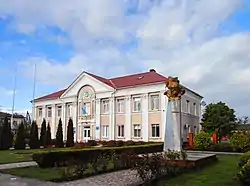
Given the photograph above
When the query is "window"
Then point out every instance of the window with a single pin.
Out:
(105, 131)
(40, 112)
(59, 111)
(188, 108)
(49, 112)
(155, 130)
(137, 104)
(195, 111)
(69, 110)
(155, 102)
(120, 132)
(105, 106)
(137, 130)
(120, 105)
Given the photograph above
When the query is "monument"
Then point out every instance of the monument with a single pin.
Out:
(173, 138)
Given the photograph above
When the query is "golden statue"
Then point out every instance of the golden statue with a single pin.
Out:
(175, 90)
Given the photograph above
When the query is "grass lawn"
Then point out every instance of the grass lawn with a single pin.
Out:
(222, 173)
(14, 156)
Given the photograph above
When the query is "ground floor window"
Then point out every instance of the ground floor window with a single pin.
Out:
(105, 131)
(120, 131)
(155, 130)
(137, 130)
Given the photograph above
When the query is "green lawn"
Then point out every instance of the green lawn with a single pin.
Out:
(222, 173)
(14, 156)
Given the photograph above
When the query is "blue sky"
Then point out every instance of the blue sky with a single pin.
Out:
(209, 38)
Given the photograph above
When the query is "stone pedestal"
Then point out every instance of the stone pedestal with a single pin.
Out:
(172, 138)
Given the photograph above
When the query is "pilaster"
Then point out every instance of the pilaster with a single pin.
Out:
(53, 122)
(98, 119)
(145, 124)
(128, 135)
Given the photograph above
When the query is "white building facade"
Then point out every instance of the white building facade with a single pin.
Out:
(125, 108)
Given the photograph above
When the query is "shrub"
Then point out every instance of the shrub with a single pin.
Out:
(244, 174)
(62, 156)
(70, 134)
(150, 167)
(239, 141)
(92, 143)
(20, 138)
(220, 147)
(34, 141)
(111, 143)
(119, 143)
(202, 140)
(243, 159)
(81, 145)
(129, 143)
(59, 135)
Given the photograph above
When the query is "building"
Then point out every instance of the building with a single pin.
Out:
(17, 119)
(131, 107)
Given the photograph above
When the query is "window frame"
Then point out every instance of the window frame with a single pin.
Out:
(137, 107)
(120, 104)
(154, 103)
(138, 130)
(105, 104)
(154, 128)
(49, 111)
(120, 131)
(106, 131)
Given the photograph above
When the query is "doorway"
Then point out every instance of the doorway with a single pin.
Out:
(86, 133)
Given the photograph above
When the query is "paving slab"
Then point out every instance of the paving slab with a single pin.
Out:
(18, 165)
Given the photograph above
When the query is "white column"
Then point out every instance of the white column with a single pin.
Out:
(44, 112)
(164, 101)
(63, 118)
(98, 119)
(74, 118)
(111, 119)
(128, 134)
(53, 122)
(145, 124)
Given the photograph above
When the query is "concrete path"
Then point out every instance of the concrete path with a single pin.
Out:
(213, 152)
(17, 165)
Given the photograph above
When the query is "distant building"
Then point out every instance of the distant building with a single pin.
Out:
(17, 118)
(130, 107)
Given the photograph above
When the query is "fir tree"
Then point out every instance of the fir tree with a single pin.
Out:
(48, 140)
(6, 135)
(43, 133)
(70, 134)
(34, 141)
(59, 135)
(20, 138)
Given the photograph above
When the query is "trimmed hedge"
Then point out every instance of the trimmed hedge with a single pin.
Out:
(65, 157)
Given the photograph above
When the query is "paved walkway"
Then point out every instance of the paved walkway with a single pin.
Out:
(17, 165)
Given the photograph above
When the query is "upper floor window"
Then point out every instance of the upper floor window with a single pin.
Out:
(59, 111)
(69, 110)
(137, 104)
(154, 102)
(120, 105)
(49, 112)
(40, 112)
(105, 106)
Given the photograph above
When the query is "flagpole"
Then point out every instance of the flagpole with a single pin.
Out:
(13, 99)
(34, 90)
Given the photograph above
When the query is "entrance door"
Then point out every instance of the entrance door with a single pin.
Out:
(86, 133)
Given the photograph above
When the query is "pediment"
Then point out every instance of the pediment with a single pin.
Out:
(85, 79)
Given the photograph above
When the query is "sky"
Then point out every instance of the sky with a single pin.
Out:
(205, 43)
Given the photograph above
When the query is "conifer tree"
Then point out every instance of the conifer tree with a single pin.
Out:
(59, 135)
(48, 140)
(6, 135)
(34, 141)
(70, 134)
(20, 138)
(43, 133)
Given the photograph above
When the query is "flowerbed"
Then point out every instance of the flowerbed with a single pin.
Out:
(65, 157)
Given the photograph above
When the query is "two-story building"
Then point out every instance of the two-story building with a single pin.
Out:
(131, 107)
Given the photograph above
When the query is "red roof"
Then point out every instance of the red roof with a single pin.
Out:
(120, 82)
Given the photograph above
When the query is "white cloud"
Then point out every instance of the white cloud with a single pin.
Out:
(176, 37)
